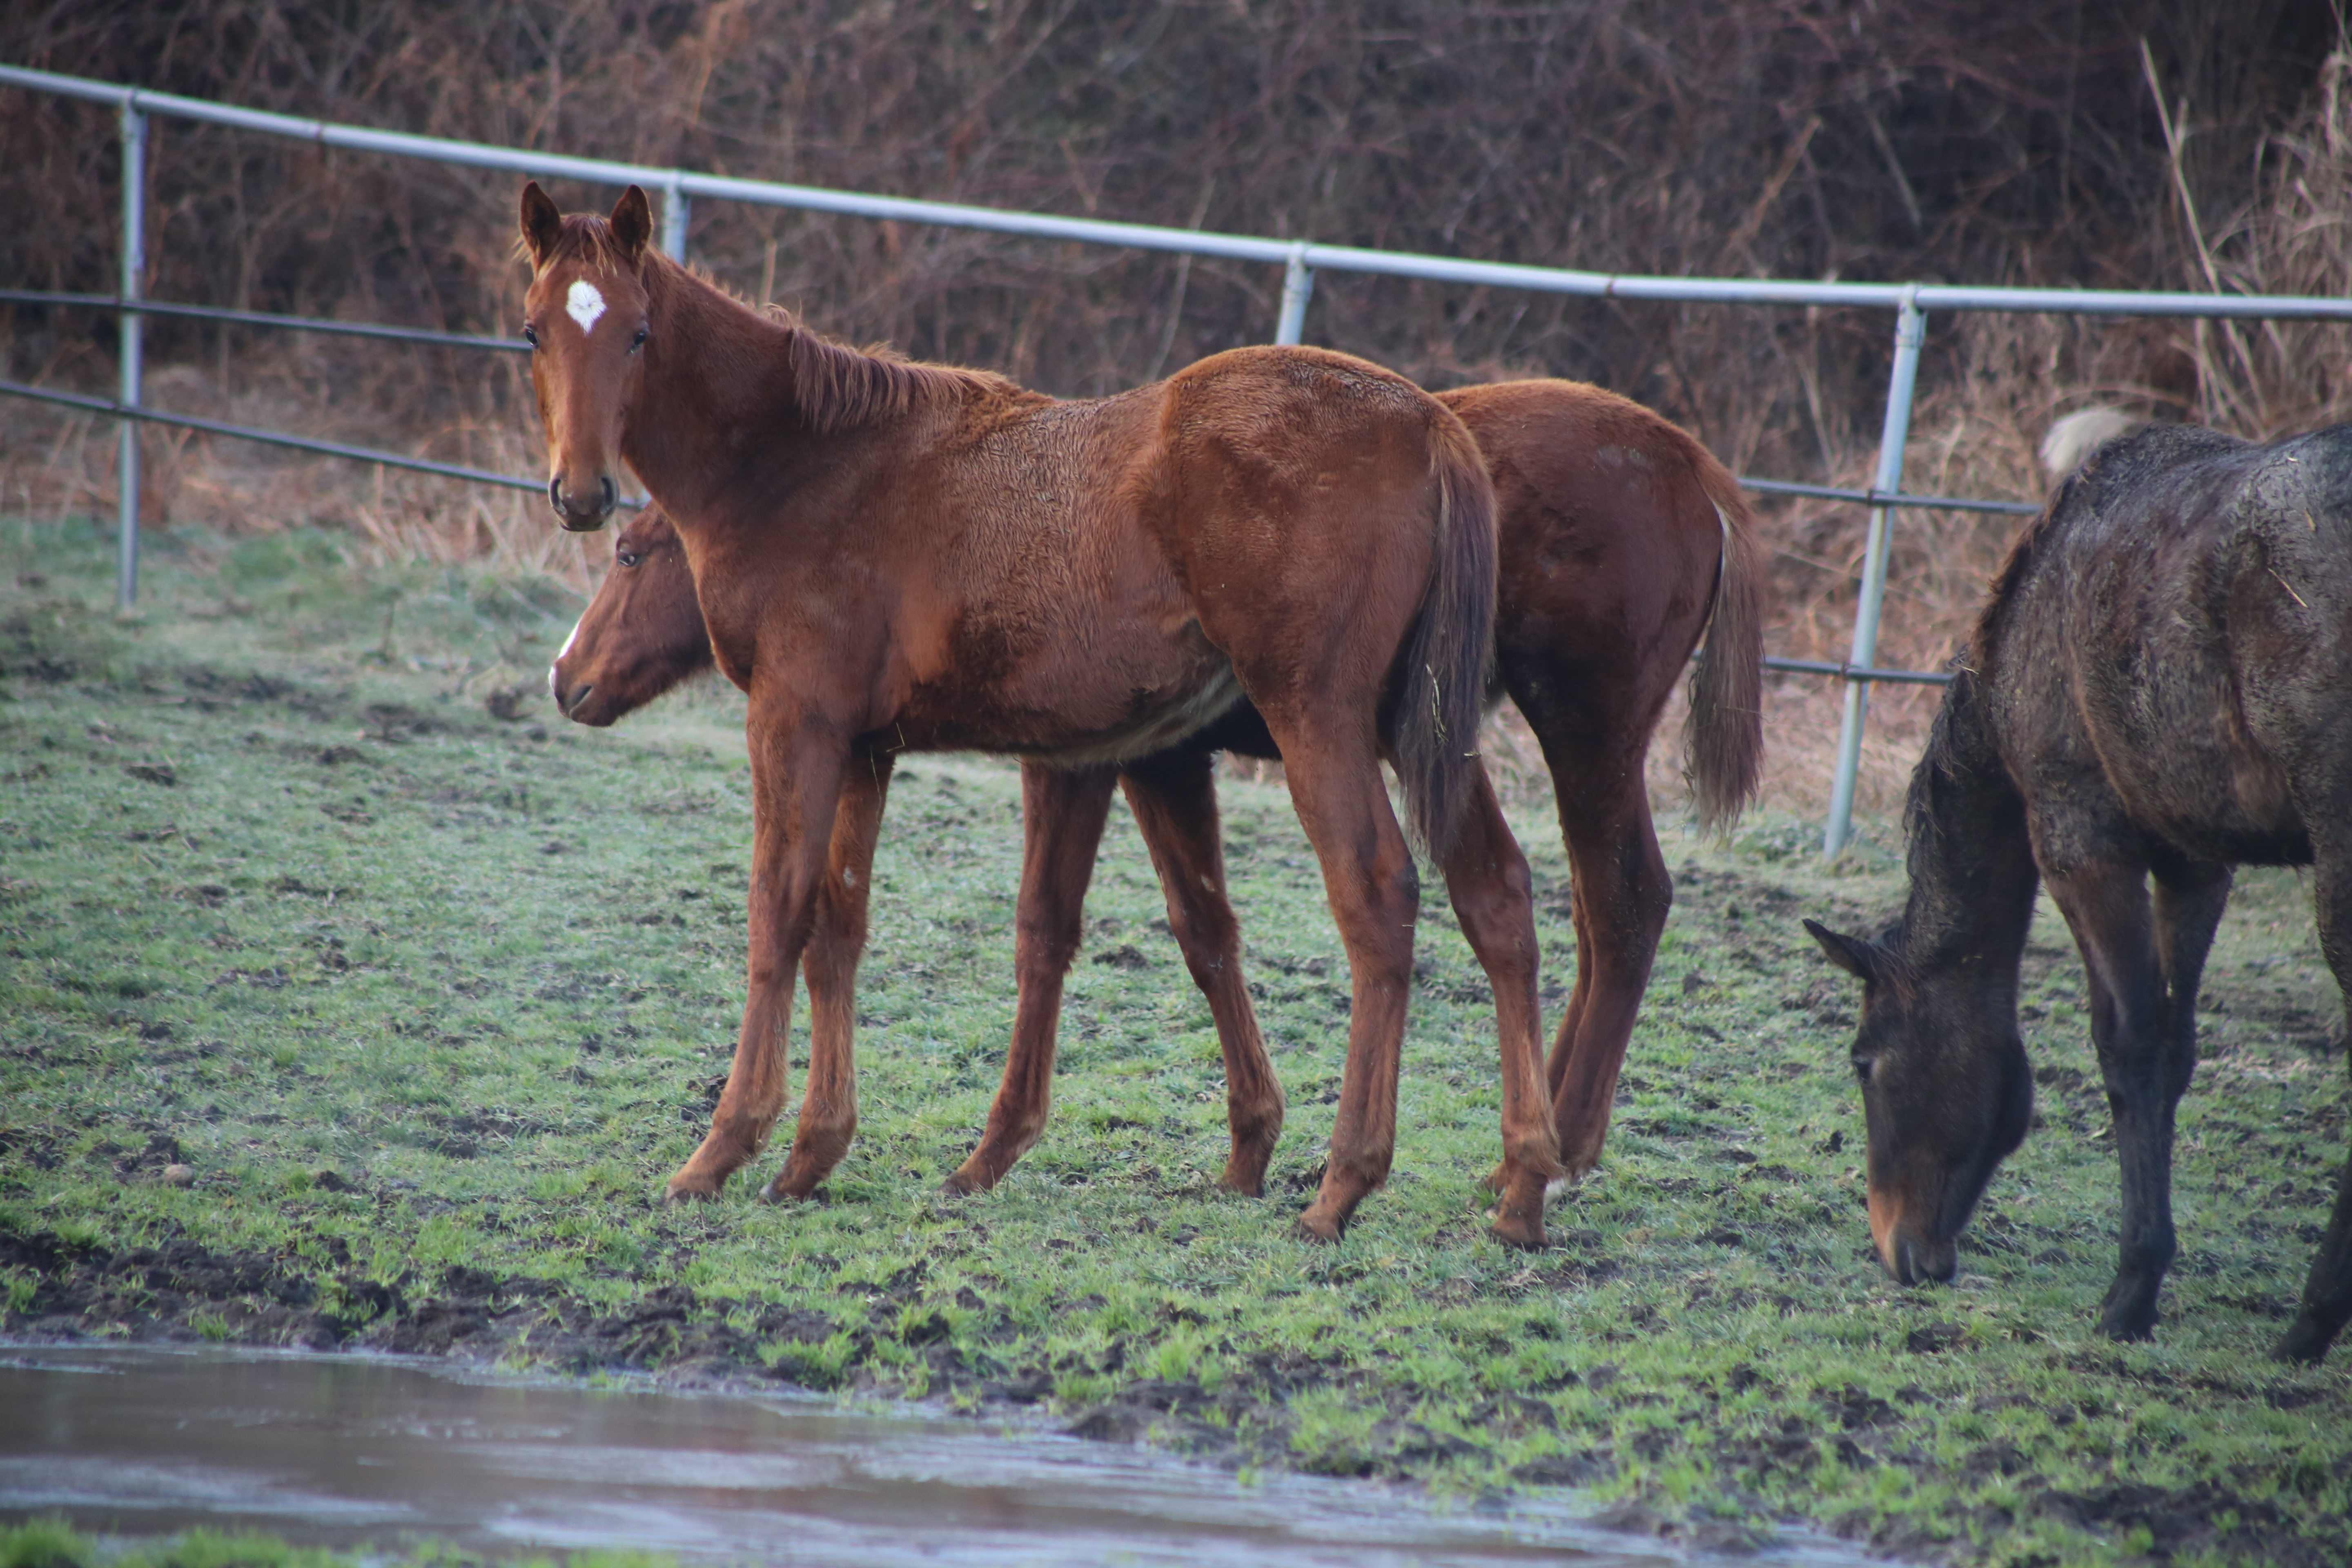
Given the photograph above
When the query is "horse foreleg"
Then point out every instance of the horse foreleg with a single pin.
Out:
(829, 1101)
(1174, 798)
(1062, 814)
(1494, 898)
(1375, 898)
(2145, 1064)
(796, 782)
(2327, 1289)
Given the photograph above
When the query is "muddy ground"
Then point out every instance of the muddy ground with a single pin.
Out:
(353, 1001)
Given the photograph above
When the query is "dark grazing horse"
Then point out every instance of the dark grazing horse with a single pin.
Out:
(896, 557)
(2161, 687)
(1621, 538)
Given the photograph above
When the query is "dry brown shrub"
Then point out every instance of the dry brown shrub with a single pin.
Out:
(1889, 138)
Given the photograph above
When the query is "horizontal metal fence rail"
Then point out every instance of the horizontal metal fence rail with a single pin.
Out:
(471, 341)
(262, 319)
(1299, 259)
(690, 184)
(145, 416)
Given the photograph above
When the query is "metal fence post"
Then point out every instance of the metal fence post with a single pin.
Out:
(1910, 331)
(677, 208)
(1297, 288)
(134, 263)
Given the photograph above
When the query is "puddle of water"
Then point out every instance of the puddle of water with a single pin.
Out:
(341, 1450)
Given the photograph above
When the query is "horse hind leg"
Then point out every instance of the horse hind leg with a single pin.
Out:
(2327, 1290)
(1375, 898)
(1174, 799)
(1493, 896)
(1063, 811)
(1622, 894)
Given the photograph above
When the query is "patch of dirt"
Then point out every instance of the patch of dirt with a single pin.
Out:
(2200, 1521)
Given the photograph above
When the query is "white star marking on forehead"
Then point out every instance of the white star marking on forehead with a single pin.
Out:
(583, 304)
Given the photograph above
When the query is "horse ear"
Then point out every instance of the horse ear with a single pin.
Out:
(1850, 954)
(633, 222)
(542, 224)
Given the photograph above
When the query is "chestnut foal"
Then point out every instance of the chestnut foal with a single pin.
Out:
(892, 556)
(1642, 510)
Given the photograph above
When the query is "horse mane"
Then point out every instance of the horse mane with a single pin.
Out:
(837, 387)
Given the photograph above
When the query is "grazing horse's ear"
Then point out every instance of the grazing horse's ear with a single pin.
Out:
(633, 222)
(542, 224)
(1850, 954)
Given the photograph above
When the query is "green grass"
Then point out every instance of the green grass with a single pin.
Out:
(430, 1003)
(53, 1543)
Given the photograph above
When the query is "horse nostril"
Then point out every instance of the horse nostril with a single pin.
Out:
(612, 493)
(555, 494)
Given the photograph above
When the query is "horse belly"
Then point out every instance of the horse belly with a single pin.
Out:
(1076, 704)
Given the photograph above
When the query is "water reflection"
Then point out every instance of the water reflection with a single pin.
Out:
(345, 1449)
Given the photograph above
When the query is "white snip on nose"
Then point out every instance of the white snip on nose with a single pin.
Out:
(583, 304)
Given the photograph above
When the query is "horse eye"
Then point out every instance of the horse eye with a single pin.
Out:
(638, 341)
(530, 334)
(627, 557)
(1862, 1070)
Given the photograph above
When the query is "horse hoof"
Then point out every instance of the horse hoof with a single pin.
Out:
(676, 1196)
(1317, 1226)
(789, 1187)
(964, 1181)
(1524, 1232)
(1244, 1177)
(2303, 1341)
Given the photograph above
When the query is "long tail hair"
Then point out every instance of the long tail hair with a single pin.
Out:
(1723, 732)
(1442, 672)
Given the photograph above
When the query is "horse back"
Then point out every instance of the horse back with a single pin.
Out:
(2169, 648)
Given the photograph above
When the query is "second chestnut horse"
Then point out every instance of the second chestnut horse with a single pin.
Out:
(891, 556)
(1621, 539)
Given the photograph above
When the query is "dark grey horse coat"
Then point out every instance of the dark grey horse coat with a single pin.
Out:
(2161, 688)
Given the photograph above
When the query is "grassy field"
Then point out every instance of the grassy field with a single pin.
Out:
(339, 1010)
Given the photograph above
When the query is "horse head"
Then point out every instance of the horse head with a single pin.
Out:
(642, 633)
(1946, 1094)
(585, 318)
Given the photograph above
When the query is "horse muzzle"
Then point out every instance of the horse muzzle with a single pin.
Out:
(583, 516)
(573, 701)
(1908, 1253)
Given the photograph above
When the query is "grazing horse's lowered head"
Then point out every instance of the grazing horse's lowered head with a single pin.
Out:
(585, 317)
(1946, 1095)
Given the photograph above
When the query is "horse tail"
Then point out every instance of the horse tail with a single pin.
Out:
(1722, 730)
(1440, 697)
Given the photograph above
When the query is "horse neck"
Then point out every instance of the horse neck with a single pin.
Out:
(1970, 860)
(718, 381)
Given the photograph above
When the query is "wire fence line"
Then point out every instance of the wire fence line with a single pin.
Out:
(1298, 259)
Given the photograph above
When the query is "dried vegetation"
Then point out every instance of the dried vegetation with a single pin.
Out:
(2199, 144)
